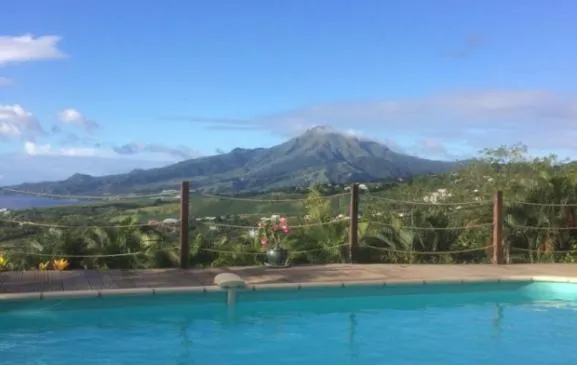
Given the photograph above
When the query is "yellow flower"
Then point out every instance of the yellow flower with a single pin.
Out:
(3, 262)
(43, 266)
(60, 264)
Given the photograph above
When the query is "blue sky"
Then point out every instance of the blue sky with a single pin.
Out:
(101, 86)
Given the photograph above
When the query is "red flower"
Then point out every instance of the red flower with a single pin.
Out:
(263, 241)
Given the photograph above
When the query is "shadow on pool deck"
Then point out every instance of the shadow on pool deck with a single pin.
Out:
(37, 281)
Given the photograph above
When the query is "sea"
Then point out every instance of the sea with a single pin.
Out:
(14, 202)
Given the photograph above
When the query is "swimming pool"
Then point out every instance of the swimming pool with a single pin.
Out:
(516, 322)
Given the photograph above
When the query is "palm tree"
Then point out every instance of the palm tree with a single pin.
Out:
(214, 245)
(424, 236)
(398, 242)
(125, 246)
(550, 212)
(319, 244)
(52, 243)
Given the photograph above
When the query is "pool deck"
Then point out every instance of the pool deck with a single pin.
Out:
(92, 282)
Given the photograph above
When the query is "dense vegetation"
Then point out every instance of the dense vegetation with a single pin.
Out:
(440, 218)
(317, 156)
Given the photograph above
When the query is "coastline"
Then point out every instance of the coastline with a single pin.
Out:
(18, 202)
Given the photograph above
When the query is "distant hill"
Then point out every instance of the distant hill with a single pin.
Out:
(320, 155)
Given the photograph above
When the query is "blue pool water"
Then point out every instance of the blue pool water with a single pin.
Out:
(506, 323)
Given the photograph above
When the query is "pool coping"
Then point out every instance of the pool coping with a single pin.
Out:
(100, 293)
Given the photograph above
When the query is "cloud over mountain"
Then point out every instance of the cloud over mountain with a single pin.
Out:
(477, 119)
(135, 148)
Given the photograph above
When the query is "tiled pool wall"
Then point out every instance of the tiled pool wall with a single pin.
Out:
(537, 287)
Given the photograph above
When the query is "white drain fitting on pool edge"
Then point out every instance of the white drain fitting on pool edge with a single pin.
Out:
(230, 282)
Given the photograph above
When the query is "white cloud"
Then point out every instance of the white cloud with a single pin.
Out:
(466, 109)
(74, 117)
(541, 119)
(16, 49)
(4, 81)
(152, 151)
(82, 151)
(8, 130)
(71, 116)
(33, 149)
(42, 162)
(15, 121)
(137, 148)
(354, 133)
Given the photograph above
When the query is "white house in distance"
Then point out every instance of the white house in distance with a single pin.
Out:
(361, 187)
(437, 196)
(170, 221)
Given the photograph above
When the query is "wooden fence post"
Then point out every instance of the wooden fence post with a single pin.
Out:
(184, 249)
(498, 228)
(354, 223)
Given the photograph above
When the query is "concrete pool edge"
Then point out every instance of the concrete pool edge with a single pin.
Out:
(100, 293)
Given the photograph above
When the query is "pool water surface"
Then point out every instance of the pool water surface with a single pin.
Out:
(466, 324)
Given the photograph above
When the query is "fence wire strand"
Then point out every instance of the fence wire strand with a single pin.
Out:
(86, 256)
(535, 204)
(65, 226)
(296, 226)
(292, 252)
(541, 228)
(444, 252)
(425, 203)
(232, 198)
(543, 251)
(454, 228)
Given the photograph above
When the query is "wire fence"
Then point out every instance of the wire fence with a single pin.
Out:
(404, 231)
(313, 229)
(540, 232)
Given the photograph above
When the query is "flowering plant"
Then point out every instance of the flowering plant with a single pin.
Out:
(56, 264)
(60, 264)
(43, 266)
(273, 231)
(3, 262)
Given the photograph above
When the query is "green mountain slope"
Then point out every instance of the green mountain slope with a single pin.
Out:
(319, 155)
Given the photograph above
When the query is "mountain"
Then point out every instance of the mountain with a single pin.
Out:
(319, 155)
